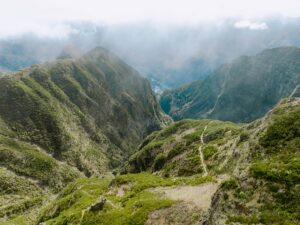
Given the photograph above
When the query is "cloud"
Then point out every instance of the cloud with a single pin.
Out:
(17, 17)
(40, 29)
(246, 24)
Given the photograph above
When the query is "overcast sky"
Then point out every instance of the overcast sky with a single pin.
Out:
(50, 17)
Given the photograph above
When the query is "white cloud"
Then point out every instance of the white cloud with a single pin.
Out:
(19, 16)
(246, 24)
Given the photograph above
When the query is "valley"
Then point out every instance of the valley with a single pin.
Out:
(84, 141)
(150, 112)
(241, 91)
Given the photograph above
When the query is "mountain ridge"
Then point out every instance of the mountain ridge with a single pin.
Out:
(247, 85)
(69, 119)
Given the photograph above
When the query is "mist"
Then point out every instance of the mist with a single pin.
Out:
(169, 54)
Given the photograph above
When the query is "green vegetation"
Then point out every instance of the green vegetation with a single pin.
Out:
(73, 121)
(27, 160)
(279, 167)
(230, 184)
(241, 91)
(209, 151)
(276, 170)
(68, 119)
(176, 150)
(72, 204)
(18, 195)
(244, 137)
(173, 151)
(159, 161)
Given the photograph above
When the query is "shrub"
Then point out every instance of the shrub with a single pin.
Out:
(209, 151)
(243, 137)
(229, 184)
(176, 150)
(159, 161)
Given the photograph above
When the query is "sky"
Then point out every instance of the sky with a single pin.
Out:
(52, 18)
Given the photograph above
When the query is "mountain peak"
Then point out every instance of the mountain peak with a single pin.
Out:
(70, 52)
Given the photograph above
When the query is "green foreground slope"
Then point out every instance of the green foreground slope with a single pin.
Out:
(260, 159)
(192, 172)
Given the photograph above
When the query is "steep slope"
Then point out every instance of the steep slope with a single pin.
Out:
(252, 177)
(257, 164)
(95, 107)
(69, 119)
(182, 148)
(241, 91)
(129, 200)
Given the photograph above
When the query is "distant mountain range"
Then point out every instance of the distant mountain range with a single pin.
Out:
(240, 91)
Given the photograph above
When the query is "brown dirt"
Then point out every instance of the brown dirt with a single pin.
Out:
(199, 196)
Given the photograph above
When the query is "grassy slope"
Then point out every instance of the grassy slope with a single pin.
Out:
(241, 91)
(71, 118)
(174, 150)
(261, 160)
(267, 187)
(72, 205)
(261, 157)
(18, 196)
(96, 107)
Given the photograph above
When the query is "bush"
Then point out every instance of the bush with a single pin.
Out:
(159, 161)
(193, 137)
(209, 151)
(243, 137)
(229, 184)
(176, 150)
(189, 166)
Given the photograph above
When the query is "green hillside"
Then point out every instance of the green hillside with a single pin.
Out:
(241, 91)
(69, 119)
(260, 160)
(83, 141)
(192, 172)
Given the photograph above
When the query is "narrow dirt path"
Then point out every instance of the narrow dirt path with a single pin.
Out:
(294, 91)
(201, 154)
(82, 215)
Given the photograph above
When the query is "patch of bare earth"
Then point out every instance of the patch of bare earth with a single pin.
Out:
(178, 214)
(194, 202)
(121, 191)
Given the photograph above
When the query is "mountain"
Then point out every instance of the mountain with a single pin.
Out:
(172, 55)
(68, 119)
(20, 52)
(84, 141)
(255, 166)
(192, 70)
(241, 91)
(197, 172)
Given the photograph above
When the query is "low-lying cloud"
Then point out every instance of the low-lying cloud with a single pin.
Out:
(246, 24)
(19, 17)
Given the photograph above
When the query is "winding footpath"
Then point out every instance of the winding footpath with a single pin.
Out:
(201, 154)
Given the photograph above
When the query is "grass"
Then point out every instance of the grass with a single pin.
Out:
(18, 196)
(209, 151)
(77, 196)
(25, 159)
(177, 147)
(159, 161)
(132, 208)
(277, 164)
